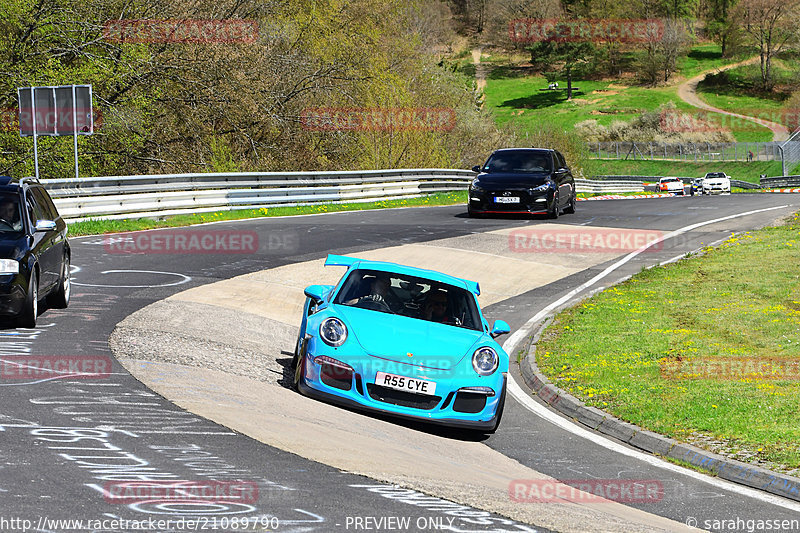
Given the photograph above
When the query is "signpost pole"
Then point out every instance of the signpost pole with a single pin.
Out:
(35, 144)
(75, 127)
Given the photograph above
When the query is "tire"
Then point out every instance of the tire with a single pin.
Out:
(499, 413)
(59, 299)
(570, 209)
(27, 318)
(298, 365)
(553, 213)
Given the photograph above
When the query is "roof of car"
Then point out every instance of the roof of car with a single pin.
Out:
(433, 275)
(524, 150)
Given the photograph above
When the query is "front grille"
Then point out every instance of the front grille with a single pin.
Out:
(469, 402)
(403, 399)
(524, 200)
(334, 376)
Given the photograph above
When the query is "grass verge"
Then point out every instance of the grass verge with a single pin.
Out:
(701, 350)
(96, 227)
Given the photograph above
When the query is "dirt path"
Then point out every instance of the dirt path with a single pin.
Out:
(480, 70)
(688, 93)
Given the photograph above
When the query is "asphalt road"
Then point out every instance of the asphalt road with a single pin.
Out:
(63, 440)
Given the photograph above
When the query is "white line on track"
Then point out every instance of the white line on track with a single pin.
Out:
(557, 420)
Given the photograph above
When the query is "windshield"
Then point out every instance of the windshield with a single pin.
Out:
(715, 175)
(10, 221)
(522, 161)
(410, 296)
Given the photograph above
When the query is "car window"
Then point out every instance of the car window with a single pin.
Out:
(562, 163)
(43, 200)
(410, 296)
(522, 161)
(10, 214)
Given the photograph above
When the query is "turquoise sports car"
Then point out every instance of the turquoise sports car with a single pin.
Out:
(404, 341)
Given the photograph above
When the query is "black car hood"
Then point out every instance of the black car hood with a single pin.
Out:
(504, 180)
(11, 246)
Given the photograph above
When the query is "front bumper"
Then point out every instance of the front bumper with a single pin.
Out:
(450, 405)
(494, 202)
(13, 291)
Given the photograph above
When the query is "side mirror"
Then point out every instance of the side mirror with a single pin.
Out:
(500, 327)
(45, 225)
(476, 168)
(316, 292)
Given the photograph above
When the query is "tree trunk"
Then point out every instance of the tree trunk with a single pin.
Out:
(569, 84)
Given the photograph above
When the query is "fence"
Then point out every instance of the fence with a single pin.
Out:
(697, 152)
(173, 194)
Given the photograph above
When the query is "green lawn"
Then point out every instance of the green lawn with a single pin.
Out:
(97, 227)
(696, 350)
(515, 96)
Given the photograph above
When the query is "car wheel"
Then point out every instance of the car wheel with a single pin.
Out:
(299, 370)
(570, 209)
(27, 319)
(499, 413)
(553, 213)
(60, 298)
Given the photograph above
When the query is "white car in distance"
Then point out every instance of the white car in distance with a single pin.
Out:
(716, 183)
(671, 184)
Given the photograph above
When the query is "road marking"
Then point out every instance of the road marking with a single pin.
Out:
(557, 420)
(184, 279)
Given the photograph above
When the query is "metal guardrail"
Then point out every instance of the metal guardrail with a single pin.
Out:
(116, 197)
(780, 181)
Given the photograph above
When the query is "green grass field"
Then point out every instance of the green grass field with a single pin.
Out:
(698, 350)
(515, 96)
(98, 227)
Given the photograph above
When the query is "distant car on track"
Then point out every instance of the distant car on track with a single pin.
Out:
(34, 251)
(530, 181)
(403, 341)
(696, 187)
(716, 183)
(671, 184)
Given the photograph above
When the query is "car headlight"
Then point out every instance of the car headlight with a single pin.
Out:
(485, 361)
(475, 186)
(333, 331)
(9, 266)
(541, 188)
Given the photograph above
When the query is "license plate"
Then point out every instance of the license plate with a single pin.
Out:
(404, 383)
(507, 199)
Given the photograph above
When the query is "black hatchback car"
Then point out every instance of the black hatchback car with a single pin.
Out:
(34, 251)
(523, 181)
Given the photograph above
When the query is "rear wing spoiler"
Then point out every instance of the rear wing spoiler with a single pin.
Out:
(343, 260)
(340, 260)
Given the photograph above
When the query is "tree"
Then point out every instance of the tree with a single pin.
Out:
(771, 26)
(719, 22)
(571, 59)
(662, 51)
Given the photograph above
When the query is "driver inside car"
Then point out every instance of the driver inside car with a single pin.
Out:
(378, 290)
(435, 308)
(9, 216)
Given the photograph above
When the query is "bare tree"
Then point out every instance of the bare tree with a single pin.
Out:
(771, 26)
